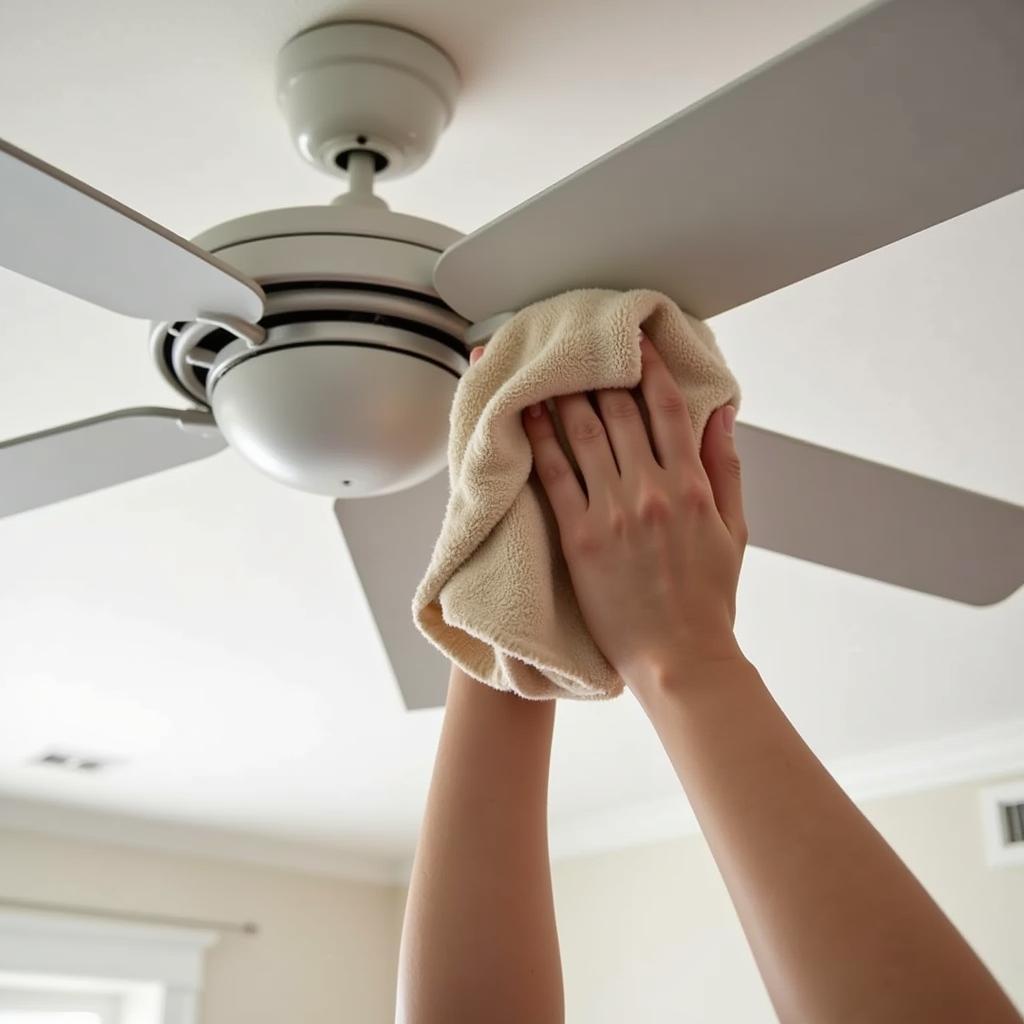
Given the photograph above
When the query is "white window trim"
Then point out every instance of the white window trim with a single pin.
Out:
(86, 947)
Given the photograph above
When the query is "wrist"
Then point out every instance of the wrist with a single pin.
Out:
(689, 668)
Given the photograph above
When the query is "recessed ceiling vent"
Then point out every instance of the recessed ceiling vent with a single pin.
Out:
(1003, 810)
(87, 764)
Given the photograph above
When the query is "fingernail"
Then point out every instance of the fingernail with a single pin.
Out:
(728, 419)
(534, 410)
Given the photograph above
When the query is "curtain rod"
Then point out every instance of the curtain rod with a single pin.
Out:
(243, 928)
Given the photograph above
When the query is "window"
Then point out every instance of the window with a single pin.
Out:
(48, 999)
(63, 969)
(25, 1003)
(49, 1017)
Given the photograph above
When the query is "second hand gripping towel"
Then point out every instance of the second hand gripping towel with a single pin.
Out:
(497, 598)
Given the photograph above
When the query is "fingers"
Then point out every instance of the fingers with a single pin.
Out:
(589, 442)
(722, 465)
(625, 427)
(670, 417)
(553, 467)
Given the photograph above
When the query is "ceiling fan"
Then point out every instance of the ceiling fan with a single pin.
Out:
(325, 343)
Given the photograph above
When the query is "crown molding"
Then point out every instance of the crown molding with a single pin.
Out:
(908, 768)
(968, 756)
(168, 837)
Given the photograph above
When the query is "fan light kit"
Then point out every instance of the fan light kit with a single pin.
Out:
(325, 344)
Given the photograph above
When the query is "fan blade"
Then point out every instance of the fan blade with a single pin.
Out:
(390, 540)
(42, 468)
(876, 521)
(901, 117)
(849, 514)
(60, 231)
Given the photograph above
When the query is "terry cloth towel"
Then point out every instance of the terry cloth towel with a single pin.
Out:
(497, 598)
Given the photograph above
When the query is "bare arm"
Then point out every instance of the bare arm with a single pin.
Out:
(479, 944)
(840, 929)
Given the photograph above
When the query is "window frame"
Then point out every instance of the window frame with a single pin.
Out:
(110, 956)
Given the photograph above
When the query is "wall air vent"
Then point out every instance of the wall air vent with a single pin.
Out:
(1003, 821)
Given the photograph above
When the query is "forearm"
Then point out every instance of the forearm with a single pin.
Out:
(840, 929)
(479, 942)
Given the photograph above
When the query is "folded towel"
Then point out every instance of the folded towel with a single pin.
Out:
(497, 598)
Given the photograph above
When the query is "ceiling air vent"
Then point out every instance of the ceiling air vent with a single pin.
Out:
(1003, 812)
(73, 762)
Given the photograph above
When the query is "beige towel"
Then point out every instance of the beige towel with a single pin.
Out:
(497, 598)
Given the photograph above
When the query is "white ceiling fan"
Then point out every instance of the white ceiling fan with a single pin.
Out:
(325, 343)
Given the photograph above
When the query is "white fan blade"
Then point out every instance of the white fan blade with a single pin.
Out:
(809, 502)
(60, 231)
(900, 117)
(876, 521)
(390, 540)
(42, 468)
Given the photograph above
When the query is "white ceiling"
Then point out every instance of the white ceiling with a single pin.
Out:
(205, 625)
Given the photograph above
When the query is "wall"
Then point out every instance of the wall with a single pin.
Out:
(325, 954)
(648, 934)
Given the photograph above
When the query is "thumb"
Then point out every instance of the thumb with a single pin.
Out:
(722, 465)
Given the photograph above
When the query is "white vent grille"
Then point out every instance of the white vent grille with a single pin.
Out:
(1013, 823)
(73, 761)
(1003, 810)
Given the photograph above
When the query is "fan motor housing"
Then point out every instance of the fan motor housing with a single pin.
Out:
(351, 392)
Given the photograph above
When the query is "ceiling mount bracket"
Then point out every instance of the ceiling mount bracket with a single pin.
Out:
(358, 87)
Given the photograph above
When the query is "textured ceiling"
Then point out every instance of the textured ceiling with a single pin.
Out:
(205, 625)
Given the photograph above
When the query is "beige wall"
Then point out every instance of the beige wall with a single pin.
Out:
(649, 935)
(325, 953)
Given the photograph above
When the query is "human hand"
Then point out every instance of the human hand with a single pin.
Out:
(655, 540)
